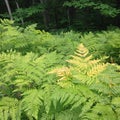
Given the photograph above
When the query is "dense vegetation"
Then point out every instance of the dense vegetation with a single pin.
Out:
(66, 76)
(56, 75)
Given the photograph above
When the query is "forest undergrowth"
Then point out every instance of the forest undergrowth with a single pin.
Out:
(66, 76)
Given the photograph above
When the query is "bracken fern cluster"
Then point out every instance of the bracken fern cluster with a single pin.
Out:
(40, 80)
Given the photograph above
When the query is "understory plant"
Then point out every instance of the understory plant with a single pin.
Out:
(105, 43)
(35, 87)
(29, 39)
(42, 78)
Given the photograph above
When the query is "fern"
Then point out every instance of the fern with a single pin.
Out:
(34, 86)
(31, 102)
(86, 74)
(29, 39)
(103, 44)
(101, 112)
(82, 65)
(25, 72)
(10, 109)
(109, 83)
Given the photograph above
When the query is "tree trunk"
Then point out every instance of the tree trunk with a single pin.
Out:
(56, 18)
(33, 2)
(9, 9)
(118, 3)
(71, 14)
(45, 15)
(68, 16)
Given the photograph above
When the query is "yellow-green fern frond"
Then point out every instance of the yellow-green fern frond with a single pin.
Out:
(82, 67)
(82, 51)
(63, 73)
(95, 70)
(9, 109)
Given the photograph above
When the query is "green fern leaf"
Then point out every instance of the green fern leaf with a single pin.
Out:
(31, 102)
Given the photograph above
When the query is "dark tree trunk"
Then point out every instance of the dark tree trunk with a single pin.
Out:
(68, 17)
(72, 14)
(56, 18)
(33, 2)
(118, 3)
(9, 9)
(46, 17)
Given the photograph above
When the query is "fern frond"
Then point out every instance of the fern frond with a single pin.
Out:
(95, 70)
(104, 112)
(6, 22)
(63, 73)
(109, 82)
(31, 102)
(10, 108)
(82, 67)
(82, 51)
(28, 71)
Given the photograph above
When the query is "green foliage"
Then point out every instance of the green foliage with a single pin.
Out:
(104, 8)
(9, 109)
(25, 72)
(87, 15)
(27, 12)
(32, 102)
(87, 75)
(40, 42)
(104, 44)
(40, 79)
(64, 14)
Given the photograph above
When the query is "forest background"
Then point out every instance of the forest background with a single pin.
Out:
(63, 14)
